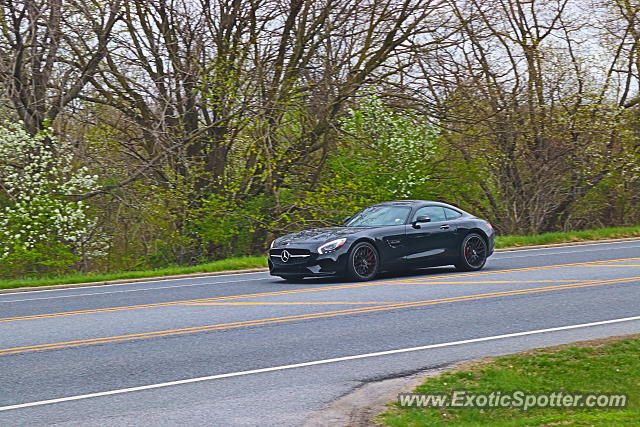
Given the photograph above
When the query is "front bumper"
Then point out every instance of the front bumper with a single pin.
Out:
(315, 264)
(492, 242)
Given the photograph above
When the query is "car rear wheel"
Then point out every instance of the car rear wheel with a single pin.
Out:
(473, 253)
(364, 262)
(293, 278)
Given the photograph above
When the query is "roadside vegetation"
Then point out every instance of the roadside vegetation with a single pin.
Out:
(139, 135)
(568, 237)
(238, 263)
(606, 366)
(244, 262)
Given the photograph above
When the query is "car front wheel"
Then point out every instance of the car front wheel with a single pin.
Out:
(364, 262)
(473, 253)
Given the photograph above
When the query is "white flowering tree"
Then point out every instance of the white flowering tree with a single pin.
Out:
(382, 154)
(394, 146)
(41, 230)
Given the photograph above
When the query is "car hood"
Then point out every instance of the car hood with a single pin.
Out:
(318, 235)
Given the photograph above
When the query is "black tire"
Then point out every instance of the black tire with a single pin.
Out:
(363, 263)
(473, 253)
(292, 278)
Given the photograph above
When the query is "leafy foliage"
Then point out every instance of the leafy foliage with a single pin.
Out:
(41, 230)
(382, 154)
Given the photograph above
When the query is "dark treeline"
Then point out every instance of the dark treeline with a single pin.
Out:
(137, 134)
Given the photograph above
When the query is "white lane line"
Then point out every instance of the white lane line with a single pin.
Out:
(557, 253)
(133, 290)
(314, 363)
(632, 241)
(143, 283)
(128, 290)
(136, 290)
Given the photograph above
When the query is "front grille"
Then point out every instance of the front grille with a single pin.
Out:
(293, 256)
(292, 251)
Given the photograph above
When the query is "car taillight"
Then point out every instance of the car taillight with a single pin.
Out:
(490, 226)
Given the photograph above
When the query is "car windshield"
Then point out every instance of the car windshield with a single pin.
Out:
(376, 216)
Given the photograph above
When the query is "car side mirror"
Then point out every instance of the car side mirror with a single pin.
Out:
(344, 221)
(420, 220)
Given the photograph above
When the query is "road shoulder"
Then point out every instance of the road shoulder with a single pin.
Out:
(361, 407)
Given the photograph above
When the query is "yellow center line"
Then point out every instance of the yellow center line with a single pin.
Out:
(613, 265)
(275, 320)
(294, 303)
(479, 282)
(409, 281)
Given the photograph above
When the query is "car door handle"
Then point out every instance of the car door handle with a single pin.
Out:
(444, 227)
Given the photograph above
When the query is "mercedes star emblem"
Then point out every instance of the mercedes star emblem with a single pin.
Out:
(285, 256)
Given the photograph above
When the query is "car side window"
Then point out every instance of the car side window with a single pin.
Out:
(436, 213)
(375, 216)
(451, 214)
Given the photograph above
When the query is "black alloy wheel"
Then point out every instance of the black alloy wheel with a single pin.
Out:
(363, 262)
(473, 253)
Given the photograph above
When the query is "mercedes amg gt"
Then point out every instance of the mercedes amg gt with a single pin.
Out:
(398, 235)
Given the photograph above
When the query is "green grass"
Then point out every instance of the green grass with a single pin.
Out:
(221, 265)
(604, 368)
(261, 261)
(565, 237)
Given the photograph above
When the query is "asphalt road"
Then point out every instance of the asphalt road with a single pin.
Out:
(253, 350)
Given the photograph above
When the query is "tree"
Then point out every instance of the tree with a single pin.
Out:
(522, 110)
(41, 231)
(49, 50)
(232, 98)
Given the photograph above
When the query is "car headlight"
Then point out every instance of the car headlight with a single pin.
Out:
(272, 244)
(331, 246)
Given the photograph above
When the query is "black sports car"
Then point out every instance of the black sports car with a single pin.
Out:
(400, 235)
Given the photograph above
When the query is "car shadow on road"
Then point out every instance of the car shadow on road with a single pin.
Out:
(383, 276)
